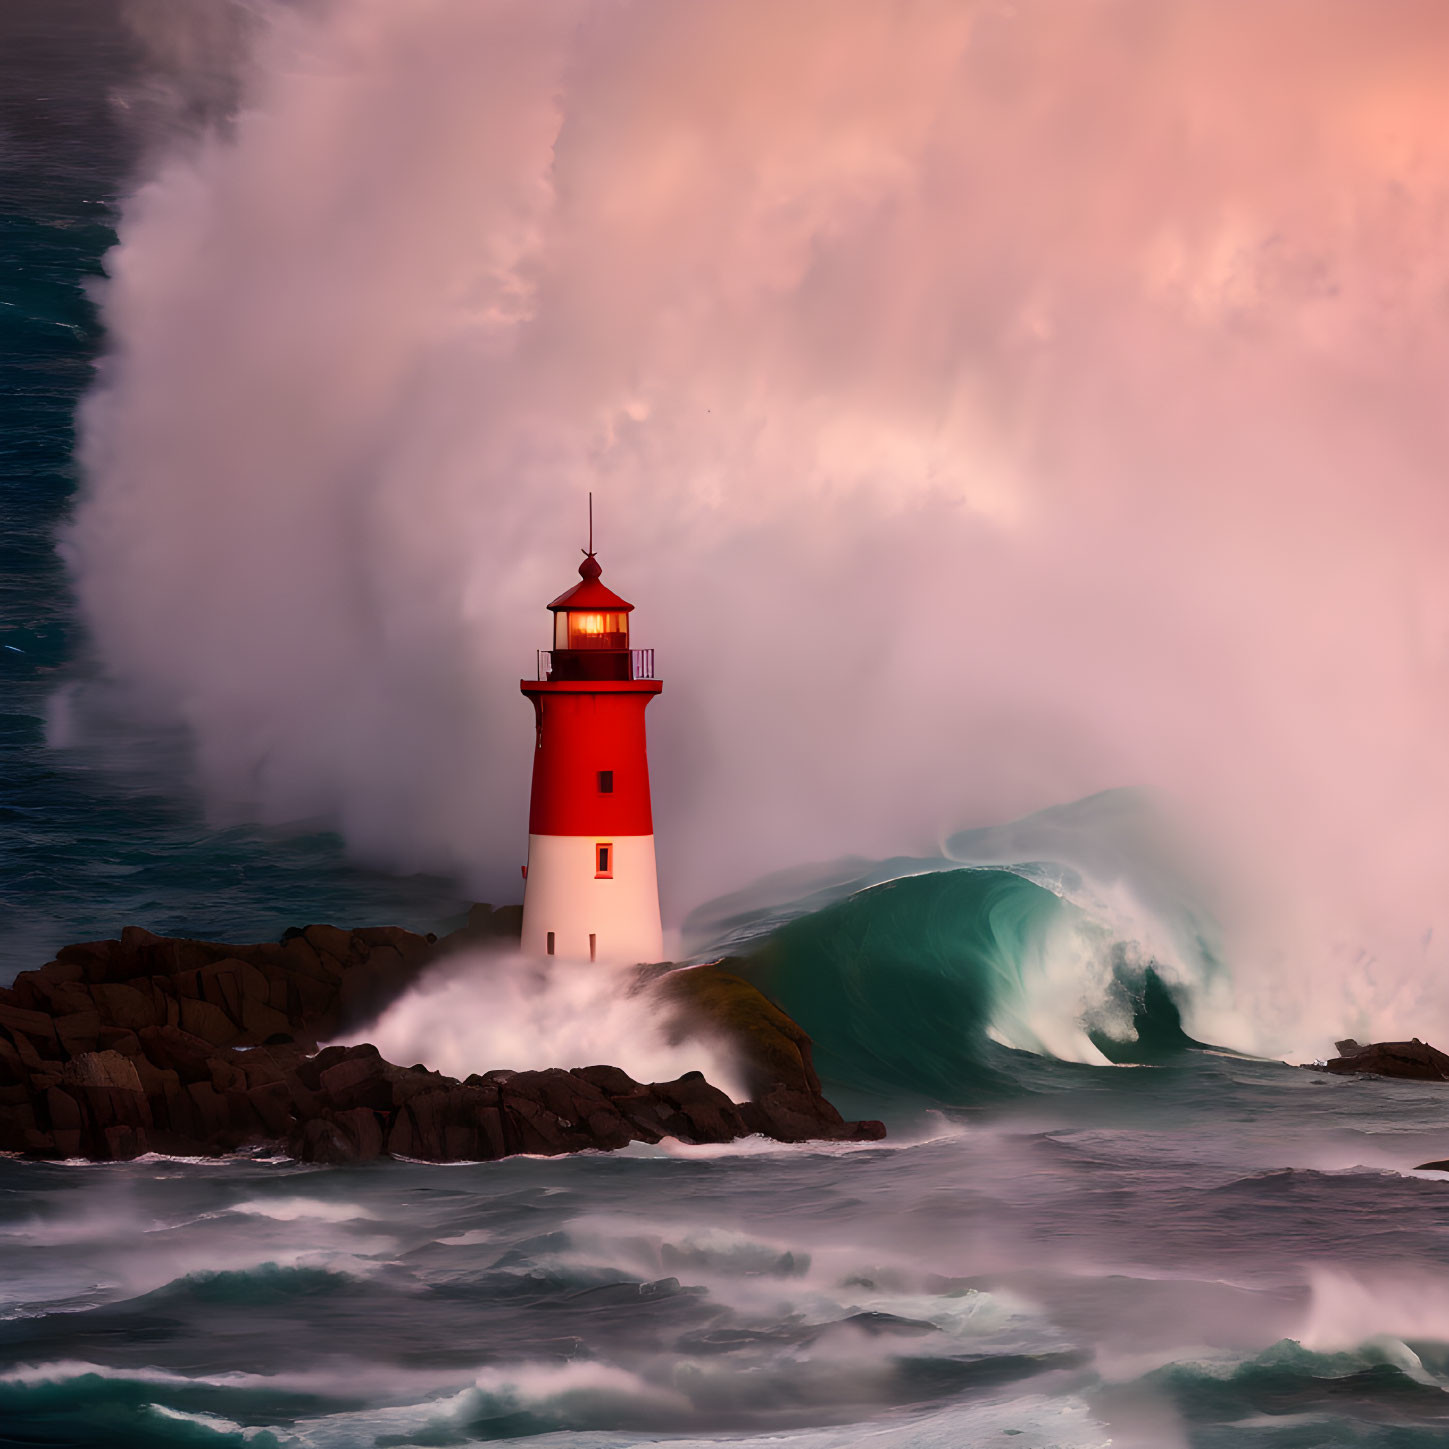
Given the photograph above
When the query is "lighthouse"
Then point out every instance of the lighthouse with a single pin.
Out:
(590, 886)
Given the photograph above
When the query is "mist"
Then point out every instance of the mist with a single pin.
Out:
(985, 405)
(479, 1011)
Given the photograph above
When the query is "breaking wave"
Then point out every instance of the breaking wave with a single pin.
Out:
(1070, 935)
(919, 984)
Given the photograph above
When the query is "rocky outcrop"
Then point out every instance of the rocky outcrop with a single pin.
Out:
(192, 1048)
(1414, 1059)
(786, 1101)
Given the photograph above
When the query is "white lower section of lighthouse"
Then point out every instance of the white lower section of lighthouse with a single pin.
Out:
(571, 909)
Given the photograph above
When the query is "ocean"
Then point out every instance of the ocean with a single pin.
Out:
(1084, 1229)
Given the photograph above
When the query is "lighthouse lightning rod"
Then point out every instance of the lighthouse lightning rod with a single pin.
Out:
(591, 523)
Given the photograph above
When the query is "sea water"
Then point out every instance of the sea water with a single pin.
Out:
(1085, 1228)
(1211, 1253)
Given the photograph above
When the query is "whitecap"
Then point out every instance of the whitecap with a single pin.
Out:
(290, 1209)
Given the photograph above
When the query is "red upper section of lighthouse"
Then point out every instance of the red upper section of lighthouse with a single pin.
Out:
(590, 764)
(591, 594)
(587, 730)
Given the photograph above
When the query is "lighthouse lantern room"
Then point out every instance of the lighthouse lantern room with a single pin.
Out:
(590, 885)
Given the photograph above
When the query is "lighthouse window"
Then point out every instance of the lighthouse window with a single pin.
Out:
(596, 629)
(606, 782)
(604, 861)
(550, 943)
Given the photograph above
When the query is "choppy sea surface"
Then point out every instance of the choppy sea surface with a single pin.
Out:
(1085, 1228)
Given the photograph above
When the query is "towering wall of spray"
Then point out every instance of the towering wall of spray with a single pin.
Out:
(985, 404)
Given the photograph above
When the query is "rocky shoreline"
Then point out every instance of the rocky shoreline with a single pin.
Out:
(196, 1048)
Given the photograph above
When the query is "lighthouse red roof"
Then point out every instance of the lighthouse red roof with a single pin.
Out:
(591, 594)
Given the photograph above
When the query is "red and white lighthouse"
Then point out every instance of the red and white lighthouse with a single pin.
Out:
(590, 886)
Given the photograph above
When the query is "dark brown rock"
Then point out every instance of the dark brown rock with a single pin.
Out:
(12, 1068)
(492, 1140)
(152, 1044)
(65, 1120)
(606, 1128)
(156, 1082)
(34, 1024)
(124, 1142)
(321, 1140)
(331, 944)
(259, 1020)
(109, 1086)
(118, 1039)
(30, 1057)
(538, 1129)
(487, 927)
(609, 1080)
(210, 1023)
(63, 971)
(212, 1118)
(367, 1129)
(427, 1115)
(56, 998)
(410, 1082)
(461, 1143)
(362, 1080)
(400, 1135)
(261, 1065)
(177, 1114)
(273, 1105)
(649, 1116)
(1414, 1059)
(92, 959)
(562, 1093)
(62, 1109)
(337, 1137)
(171, 1048)
(309, 1072)
(711, 1115)
(711, 1002)
(791, 1116)
(77, 1031)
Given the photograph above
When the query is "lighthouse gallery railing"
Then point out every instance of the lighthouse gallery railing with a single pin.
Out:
(641, 664)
